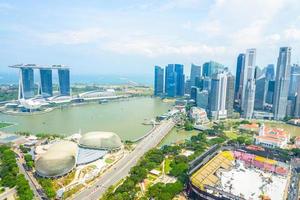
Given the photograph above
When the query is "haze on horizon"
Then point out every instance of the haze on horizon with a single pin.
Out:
(118, 37)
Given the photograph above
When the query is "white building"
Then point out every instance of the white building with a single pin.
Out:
(199, 115)
(248, 92)
(272, 137)
(217, 96)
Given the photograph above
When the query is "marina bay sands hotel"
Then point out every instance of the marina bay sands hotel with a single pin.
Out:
(26, 80)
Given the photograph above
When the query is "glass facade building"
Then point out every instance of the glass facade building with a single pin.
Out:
(282, 82)
(46, 82)
(230, 94)
(211, 67)
(294, 80)
(170, 78)
(64, 82)
(196, 72)
(270, 72)
(239, 77)
(158, 80)
(180, 80)
(26, 86)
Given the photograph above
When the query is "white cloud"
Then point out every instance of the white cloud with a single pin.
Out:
(292, 34)
(72, 37)
(210, 28)
(173, 4)
(273, 38)
(154, 47)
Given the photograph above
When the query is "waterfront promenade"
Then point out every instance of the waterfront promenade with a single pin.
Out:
(121, 169)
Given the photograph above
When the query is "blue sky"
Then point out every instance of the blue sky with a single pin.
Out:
(130, 37)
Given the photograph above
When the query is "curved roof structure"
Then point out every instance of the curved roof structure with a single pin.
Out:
(59, 160)
(100, 140)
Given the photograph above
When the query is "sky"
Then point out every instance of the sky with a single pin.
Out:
(130, 37)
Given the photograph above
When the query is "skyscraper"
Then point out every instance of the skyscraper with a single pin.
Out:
(180, 80)
(194, 91)
(270, 72)
(270, 92)
(202, 99)
(282, 83)
(187, 87)
(230, 94)
(46, 82)
(26, 83)
(158, 80)
(260, 92)
(203, 83)
(294, 80)
(211, 67)
(297, 106)
(217, 96)
(249, 84)
(239, 77)
(64, 82)
(170, 81)
(196, 72)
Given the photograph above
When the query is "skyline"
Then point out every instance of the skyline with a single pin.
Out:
(92, 35)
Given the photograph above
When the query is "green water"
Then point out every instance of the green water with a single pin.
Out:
(124, 117)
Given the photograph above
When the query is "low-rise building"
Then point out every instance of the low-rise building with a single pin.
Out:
(272, 137)
(297, 142)
(199, 115)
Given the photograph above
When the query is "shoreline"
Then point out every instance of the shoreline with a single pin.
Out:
(87, 102)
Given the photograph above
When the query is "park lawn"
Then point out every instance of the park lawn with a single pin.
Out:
(4, 124)
(167, 165)
(69, 193)
(231, 134)
(109, 161)
(64, 181)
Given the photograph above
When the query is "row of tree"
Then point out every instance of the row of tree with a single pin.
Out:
(9, 174)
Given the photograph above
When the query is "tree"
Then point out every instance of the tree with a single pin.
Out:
(188, 126)
(23, 188)
(47, 187)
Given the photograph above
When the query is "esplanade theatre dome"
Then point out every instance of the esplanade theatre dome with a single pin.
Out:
(59, 160)
(100, 140)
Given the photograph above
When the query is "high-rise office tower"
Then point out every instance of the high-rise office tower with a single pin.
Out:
(170, 80)
(64, 82)
(294, 80)
(297, 104)
(260, 92)
(211, 67)
(270, 92)
(26, 83)
(249, 84)
(230, 94)
(202, 99)
(239, 77)
(194, 91)
(187, 87)
(270, 72)
(180, 80)
(46, 82)
(158, 81)
(217, 96)
(282, 83)
(203, 83)
(196, 72)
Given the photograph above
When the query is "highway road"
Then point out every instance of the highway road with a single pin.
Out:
(121, 169)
